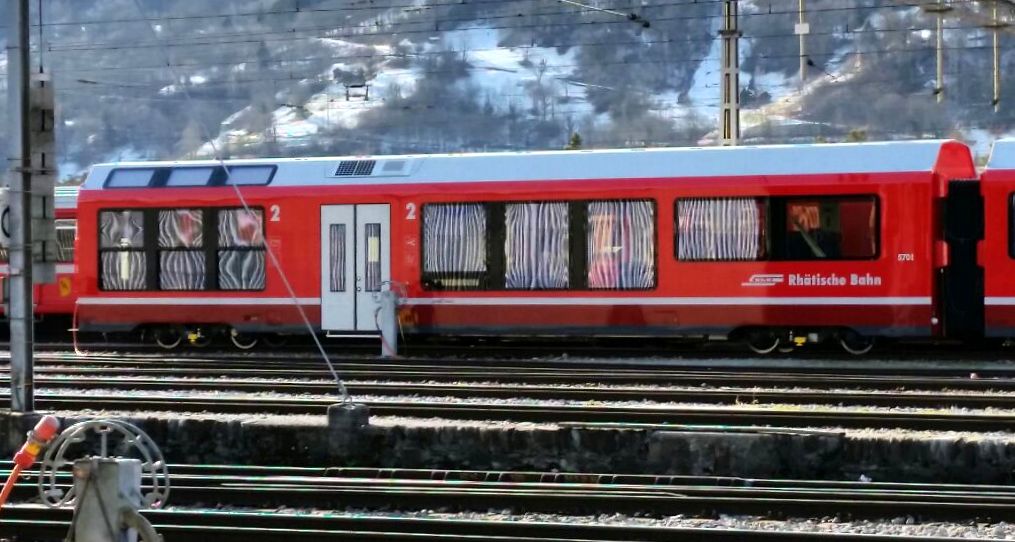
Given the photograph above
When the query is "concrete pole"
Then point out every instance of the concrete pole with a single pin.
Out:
(997, 60)
(940, 56)
(388, 324)
(729, 82)
(19, 163)
(802, 29)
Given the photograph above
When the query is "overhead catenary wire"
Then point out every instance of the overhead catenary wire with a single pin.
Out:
(458, 3)
(465, 51)
(416, 74)
(387, 29)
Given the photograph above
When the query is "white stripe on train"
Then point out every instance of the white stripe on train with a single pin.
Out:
(527, 301)
(61, 268)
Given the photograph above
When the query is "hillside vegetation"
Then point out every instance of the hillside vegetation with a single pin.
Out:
(184, 79)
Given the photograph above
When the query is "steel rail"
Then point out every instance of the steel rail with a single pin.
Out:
(927, 366)
(33, 521)
(545, 392)
(933, 379)
(657, 415)
(777, 499)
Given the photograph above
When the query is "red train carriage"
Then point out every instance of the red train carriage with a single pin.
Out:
(56, 301)
(997, 252)
(773, 245)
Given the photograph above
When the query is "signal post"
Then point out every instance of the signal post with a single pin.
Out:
(29, 225)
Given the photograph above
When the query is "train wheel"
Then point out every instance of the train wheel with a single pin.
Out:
(241, 340)
(762, 343)
(856, 344)
(168, 337)
(275, 340)
(200, 340)
(786, 347)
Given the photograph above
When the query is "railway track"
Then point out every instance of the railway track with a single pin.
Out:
(542, 371)
(513, 390)
(662, 416)
(620, 352)
(35, 523)
(575, 493)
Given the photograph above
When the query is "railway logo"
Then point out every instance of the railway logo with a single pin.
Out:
(65, 286)
(761, 279)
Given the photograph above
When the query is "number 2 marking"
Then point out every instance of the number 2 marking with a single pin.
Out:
(276, 213)
(410, 211)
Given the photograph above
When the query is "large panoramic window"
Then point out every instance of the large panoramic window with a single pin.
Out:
(122, 250)
(454, 246)
(720, 229)
(536, 247)
(620, 244)
(830, 228)
(241, 257)
(178, 249)
(181, 249)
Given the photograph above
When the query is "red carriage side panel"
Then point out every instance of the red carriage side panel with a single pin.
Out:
(996, 251)
(655, 242)
(871, 292)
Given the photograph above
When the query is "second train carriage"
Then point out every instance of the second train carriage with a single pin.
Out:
(773, 245)
(997, 253)
(56, 301)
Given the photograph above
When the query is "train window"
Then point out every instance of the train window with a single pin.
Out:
(65, 232)
(337, 250)
(536, 248)
(620, 244)
(241, 258)
(181, 249)
(121, 247)
(250, 175)
(372, 280)
(190, 176)
(454, 246)
(721, 229)
(1011, 227)
(827, 228)
(130, 178)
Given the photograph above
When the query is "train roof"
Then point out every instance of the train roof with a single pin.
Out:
(841, 158)
(1002, 154)
(66, 197)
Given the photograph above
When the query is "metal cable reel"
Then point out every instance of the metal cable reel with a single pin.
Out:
(82, 438)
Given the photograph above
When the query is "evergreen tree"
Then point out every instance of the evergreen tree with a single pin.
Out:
(574, 143)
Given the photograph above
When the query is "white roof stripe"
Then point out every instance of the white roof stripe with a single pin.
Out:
(843, 158)
(1002, 154)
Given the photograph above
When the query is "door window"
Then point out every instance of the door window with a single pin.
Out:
(336, 257)
(372, 273)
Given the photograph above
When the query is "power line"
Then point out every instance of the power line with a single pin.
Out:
(415, 74)
(308, 59)
(287, 35)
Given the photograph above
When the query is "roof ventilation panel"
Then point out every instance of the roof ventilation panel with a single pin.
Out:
(355, 168)
(372, 168)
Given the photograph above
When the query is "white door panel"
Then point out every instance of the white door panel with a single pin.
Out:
(373, 262)
(338, 272)
(355, 265)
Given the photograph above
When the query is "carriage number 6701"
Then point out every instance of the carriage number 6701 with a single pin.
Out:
(906, 257)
